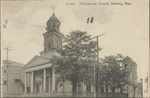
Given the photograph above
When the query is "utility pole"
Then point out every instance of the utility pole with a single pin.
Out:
(94, 78)
(95, 94)
(7, 49)
(141, 88)
(97, 82)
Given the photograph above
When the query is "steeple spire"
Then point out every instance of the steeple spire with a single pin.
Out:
(53, 10)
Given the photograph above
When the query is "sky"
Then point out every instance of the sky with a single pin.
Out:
(125, 26)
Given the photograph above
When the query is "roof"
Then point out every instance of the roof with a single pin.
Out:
(14, 63)
(57, 32)
(37, 60)
(53, 17)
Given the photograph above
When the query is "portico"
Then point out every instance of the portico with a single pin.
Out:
(40, 79)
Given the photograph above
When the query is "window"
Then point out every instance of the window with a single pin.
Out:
(4, 82)
(50, 41)
(49, 45)
(79, 85)
(126, 65)
(4, 70)
(53, 25)
(44, 49)
(58, 41)
(57, 26)
(131, 75)
(57, 46)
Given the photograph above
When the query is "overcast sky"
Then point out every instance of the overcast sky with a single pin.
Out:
(126, 27)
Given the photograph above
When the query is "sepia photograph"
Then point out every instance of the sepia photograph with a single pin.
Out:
(75, 48)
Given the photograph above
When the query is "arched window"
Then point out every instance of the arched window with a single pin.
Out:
(53, 25)
(57, 39)
(45, 49)
(49, 45)
(5, 82)
(50, 41)
(126, 65)
(4, 70)
(57, 26)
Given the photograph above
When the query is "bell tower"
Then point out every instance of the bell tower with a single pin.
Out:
(52, 36)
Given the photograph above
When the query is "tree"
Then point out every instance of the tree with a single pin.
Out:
(76, 62)
(113, 74)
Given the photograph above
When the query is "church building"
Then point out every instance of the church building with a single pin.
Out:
(39, 72)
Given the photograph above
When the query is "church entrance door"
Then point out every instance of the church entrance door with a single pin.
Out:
(38, 88)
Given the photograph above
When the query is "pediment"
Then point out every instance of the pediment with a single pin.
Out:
(36, 61)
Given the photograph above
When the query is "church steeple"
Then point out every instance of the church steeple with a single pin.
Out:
(53, 23)
(52, 36)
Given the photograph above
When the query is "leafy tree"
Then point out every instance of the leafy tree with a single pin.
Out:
(113, 74)
(76, 63)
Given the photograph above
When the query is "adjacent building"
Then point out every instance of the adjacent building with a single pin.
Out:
(128, 90)
(131, 66)
(140, 89)
(12, 78)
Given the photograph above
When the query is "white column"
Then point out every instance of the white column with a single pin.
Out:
(104, 89)
(92, 88)
(32, 80)
(53, 79)
(83, 87)
(44, 80)
(63, 87)
(77, 88)
(25, 83)
(41, 87)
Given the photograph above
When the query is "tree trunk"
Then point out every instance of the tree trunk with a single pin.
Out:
(74, 88)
